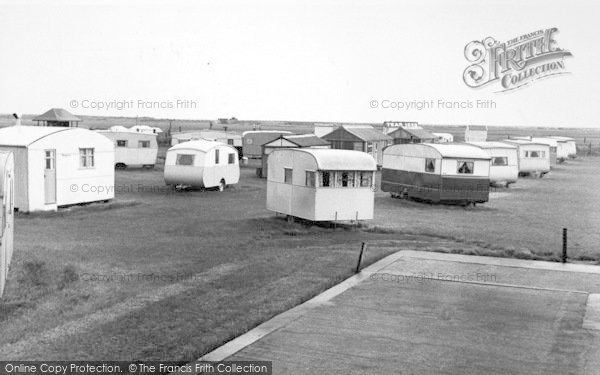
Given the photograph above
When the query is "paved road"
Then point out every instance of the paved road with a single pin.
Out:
(427, 313)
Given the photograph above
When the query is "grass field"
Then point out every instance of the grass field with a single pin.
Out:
(160, 274)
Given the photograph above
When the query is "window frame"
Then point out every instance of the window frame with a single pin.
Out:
(312, 179)
(459, 165)
(427, 160)
(121, 140)
(504, 158)
(178, 160)
(141, 144)
(87, 159)
(288, 176)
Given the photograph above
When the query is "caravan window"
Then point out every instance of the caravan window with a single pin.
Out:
(86, 157)
(217, 156)
(465, 167)
(310, 178)
(144, 144)
(231, 159)
(365, 179)
(184, 159)
(499, 160)
(429, 165)
(230, 142)
(534, 154)
(287, 175)
(121, 143)
(325, 179)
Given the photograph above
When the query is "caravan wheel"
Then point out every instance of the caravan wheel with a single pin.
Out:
(222, 185)
(120, 166)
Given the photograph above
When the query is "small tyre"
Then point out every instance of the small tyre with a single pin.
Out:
(120, 166)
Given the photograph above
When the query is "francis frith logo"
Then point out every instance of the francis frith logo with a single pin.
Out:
(514, 63)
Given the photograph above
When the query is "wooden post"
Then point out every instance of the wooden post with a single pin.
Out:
(335, 222)
(362, 249)
(564, 249)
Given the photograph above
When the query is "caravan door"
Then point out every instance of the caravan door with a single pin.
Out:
(50, 176)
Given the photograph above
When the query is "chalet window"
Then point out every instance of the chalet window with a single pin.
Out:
(86, 157)
(365, 179)
(287, 175)
(144, 144)
(310, 178)
(326, 179)
(429, 165)
(121, 143)
(465, 167)
(230, 142)
(369, 147)
(217, 156)
(184, 159)
(231, 158)
(499, 160)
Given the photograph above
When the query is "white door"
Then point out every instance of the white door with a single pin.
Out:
(50, 176)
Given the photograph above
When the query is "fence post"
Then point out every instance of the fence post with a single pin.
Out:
(564, 248)
(362, 249)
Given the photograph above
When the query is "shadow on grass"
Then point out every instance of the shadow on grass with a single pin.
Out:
(83, 207)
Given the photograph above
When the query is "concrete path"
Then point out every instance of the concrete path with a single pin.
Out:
(432, 313)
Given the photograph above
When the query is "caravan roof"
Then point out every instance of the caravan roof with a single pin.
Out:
(523, 142)
(559, 138)
(445, 150)
(23, 136)
(340, 160)
(491, 144)
(265, 131)
(199, 145)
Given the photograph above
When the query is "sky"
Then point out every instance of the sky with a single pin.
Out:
(327, 61)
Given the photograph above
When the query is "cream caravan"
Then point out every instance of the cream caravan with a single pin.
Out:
(504, 164)
(7, 222)
(534, 158)
(202, 163)
(133, 149)
(321, 184)
(59, 166)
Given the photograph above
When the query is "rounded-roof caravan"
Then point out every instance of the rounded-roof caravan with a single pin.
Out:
(441, 173)
(558, 150)
(59, 166)
(571, 145)
(7, 221)
(202, 163)
(133, 149)
(321, 184)
(504, 164)
(534, 158)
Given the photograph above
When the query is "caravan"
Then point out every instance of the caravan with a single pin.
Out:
(59, 166)
(133, 149)
(202, 163)
(439, 173)
(534, 158)
(7, 189)
(504, 164)
(321, 184)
